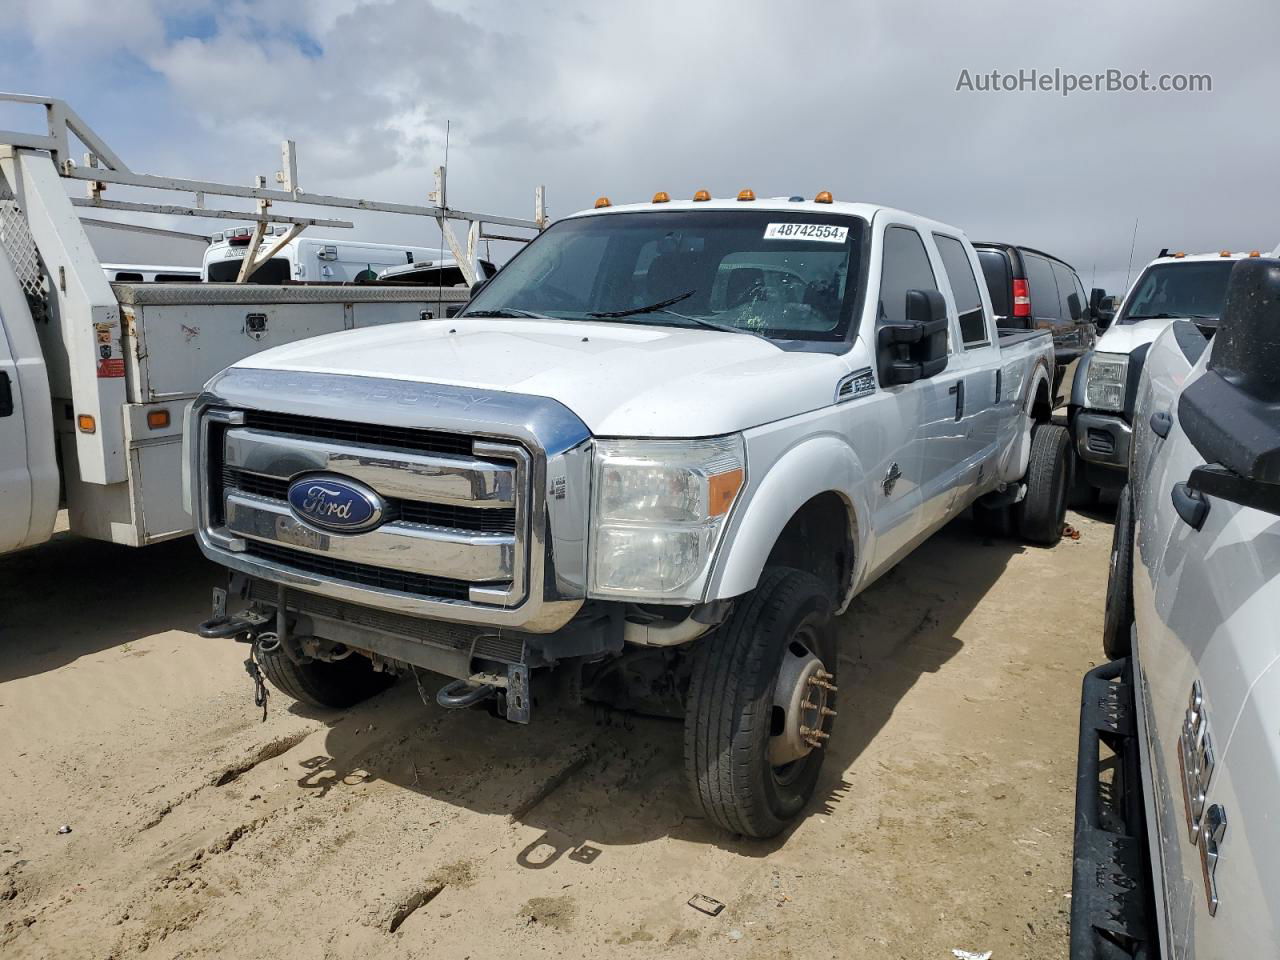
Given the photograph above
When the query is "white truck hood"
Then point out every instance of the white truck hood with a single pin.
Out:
(622, 380)
(1128, 337)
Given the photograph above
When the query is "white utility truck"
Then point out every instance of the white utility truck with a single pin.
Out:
(657, 451)
(310, 259)
(1177, 845)
(95, 376)
(1100, 412)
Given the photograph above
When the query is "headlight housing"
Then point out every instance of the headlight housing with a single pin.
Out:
(659, 510)
(1105, 381)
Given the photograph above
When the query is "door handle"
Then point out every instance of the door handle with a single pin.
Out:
(1161, 423)
(1192, 506)
(6, 396)
(957, 389)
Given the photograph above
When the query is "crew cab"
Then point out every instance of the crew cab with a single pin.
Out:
(656, 452)
(1100, 412)
(1177, 848)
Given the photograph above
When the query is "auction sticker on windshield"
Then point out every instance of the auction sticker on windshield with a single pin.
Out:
(826, 232)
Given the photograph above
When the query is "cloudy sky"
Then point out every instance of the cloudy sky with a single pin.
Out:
(627, 98)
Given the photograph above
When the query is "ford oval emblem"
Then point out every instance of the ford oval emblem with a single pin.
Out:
(335, 503)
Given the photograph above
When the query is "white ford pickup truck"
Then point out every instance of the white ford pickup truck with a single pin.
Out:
(657, 452)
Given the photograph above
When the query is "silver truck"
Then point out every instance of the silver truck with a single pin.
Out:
(657, 452)
(1176, 837)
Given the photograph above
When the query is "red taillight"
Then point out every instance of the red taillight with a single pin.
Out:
(238, 241)
(1021, 299)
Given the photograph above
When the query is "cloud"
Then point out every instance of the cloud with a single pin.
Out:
(626, 99)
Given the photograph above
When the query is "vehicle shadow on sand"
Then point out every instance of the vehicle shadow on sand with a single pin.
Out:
(73, 597)
(590, 778)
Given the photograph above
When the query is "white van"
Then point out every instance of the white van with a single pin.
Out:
(149, 273)
(310, 259)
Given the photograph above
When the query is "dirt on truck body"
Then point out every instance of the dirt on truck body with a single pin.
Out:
(398, 829)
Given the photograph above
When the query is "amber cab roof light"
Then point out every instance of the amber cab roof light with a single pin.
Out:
(702, 195)
(824, 196)
(1224, 253)
(662, 197)
(1255, 253)
(602, 202)
(747, 194)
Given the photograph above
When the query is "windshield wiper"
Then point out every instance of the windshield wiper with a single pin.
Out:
(651, 308)
(505, 313)
(1169, 316)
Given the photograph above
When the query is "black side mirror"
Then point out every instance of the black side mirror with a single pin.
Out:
(1232, 413)
(477, 287)
(1074, 307)
(917, 349)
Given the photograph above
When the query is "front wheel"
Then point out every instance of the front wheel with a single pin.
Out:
(761, 701)
(1042, 512)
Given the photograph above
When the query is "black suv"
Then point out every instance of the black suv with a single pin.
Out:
(1033, 290)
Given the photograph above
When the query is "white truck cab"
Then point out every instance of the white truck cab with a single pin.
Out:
(1100, 413)
(1190, 705)
(150, 273)
(654, 455)
(312, 259)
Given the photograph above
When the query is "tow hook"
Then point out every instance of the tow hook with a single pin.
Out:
(459, 694)
(244, 626)
(262, 643)
(512, 698)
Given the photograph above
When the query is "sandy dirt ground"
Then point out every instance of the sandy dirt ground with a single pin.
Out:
(401, 830)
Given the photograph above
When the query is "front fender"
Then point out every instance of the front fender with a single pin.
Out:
(818, 465)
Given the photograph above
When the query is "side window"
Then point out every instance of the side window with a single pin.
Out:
(1066, 278)
(964, 287)
(1044, 291)
(905, 267)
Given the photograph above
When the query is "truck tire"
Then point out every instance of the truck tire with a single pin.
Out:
(326, 684)
(1043, 510)
(1117, 618)
(750, 764)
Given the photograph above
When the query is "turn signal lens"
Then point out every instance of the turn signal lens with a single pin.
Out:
(157, 419)
(602, 202)
(747, 194)
(702, 195)
(662, 197)
(722, 488)
(86, 423)
(824, 196)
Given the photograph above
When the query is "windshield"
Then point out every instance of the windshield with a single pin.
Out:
(782, 275)
(1193, 290)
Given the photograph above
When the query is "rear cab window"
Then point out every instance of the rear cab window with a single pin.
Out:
(1045, 305)
(964, 290)
(1067, 285)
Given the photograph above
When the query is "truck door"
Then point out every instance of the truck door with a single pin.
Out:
(977, 368)
(28, 467)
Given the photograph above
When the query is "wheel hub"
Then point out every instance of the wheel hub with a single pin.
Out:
(803, 693)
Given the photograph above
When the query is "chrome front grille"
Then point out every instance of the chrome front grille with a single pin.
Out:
(485, 494)
(455, 526)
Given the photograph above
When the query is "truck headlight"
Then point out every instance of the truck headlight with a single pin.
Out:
(660, 508)
(1105, 381)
